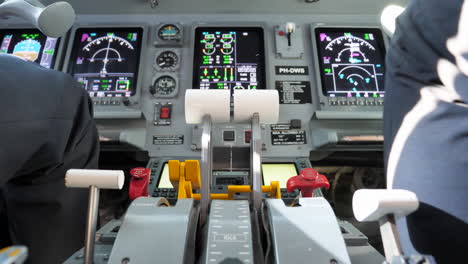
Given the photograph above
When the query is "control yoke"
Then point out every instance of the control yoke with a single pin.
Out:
(53, 20)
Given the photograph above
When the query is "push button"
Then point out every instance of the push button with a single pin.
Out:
(165, 113)
(248, 136)
(229, 135)
(296, 124)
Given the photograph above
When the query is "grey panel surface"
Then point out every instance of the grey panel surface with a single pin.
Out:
(146, 220)
(305, 233)
(229, 237)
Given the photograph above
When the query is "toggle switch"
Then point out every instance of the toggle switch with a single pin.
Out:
(290, 28)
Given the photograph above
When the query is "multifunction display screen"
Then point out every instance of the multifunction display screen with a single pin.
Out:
(29, 44)
(278, 172)
(351, 61)
(229, 58)
(106, 60)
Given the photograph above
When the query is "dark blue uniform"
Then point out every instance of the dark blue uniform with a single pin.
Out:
(426, 127)
(46, 128)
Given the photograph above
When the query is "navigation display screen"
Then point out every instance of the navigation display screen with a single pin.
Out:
(278, 172)
(106, 60)
(29, 44)
(351, 61)
(229, 58)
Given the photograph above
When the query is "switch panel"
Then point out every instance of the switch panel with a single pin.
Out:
(162, 114)
(289, 41)
(229, 136)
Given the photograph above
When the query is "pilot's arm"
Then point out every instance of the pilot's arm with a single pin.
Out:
(46, 128)
(426, 126)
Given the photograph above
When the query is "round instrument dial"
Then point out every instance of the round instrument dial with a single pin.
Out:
(169, 32)
(167, 60)
(165, 86)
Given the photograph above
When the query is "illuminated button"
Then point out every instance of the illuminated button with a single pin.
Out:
(333, 102)
(165, 113)
(352, 101)
(229, 135)
(361, 102)
(248, 136)
(343, 102)
(380, 102)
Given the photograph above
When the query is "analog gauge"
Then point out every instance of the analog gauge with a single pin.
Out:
(164, 86)
(169, 32)
(167, 60)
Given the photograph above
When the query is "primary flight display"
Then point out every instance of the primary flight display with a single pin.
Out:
(351, 61)
(106, 60)
(29, 44)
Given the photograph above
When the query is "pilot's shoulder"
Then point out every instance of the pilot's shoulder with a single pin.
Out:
(29, 72)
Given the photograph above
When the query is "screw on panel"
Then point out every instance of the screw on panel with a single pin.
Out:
(153, 3)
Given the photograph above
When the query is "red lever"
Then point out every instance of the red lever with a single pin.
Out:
(307, 181)
(139, 183)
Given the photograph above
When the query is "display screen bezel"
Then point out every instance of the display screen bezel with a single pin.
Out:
(336, 29)
(75, 44)
(5, 31)
(197, 38)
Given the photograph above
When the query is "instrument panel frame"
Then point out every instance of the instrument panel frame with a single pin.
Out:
(327, 111)
(134, 99)
(266, 48)
(60, 49)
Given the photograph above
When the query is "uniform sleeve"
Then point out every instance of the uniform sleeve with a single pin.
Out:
(426, 128)
(39, 205)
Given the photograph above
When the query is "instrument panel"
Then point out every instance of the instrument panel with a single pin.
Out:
(329, 77)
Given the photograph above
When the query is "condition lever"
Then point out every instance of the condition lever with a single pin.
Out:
(307, 181)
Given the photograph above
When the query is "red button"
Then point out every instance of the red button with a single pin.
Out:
(165, 113)
(248, 136)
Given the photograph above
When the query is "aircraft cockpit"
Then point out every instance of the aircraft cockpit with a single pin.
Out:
(235, 131)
